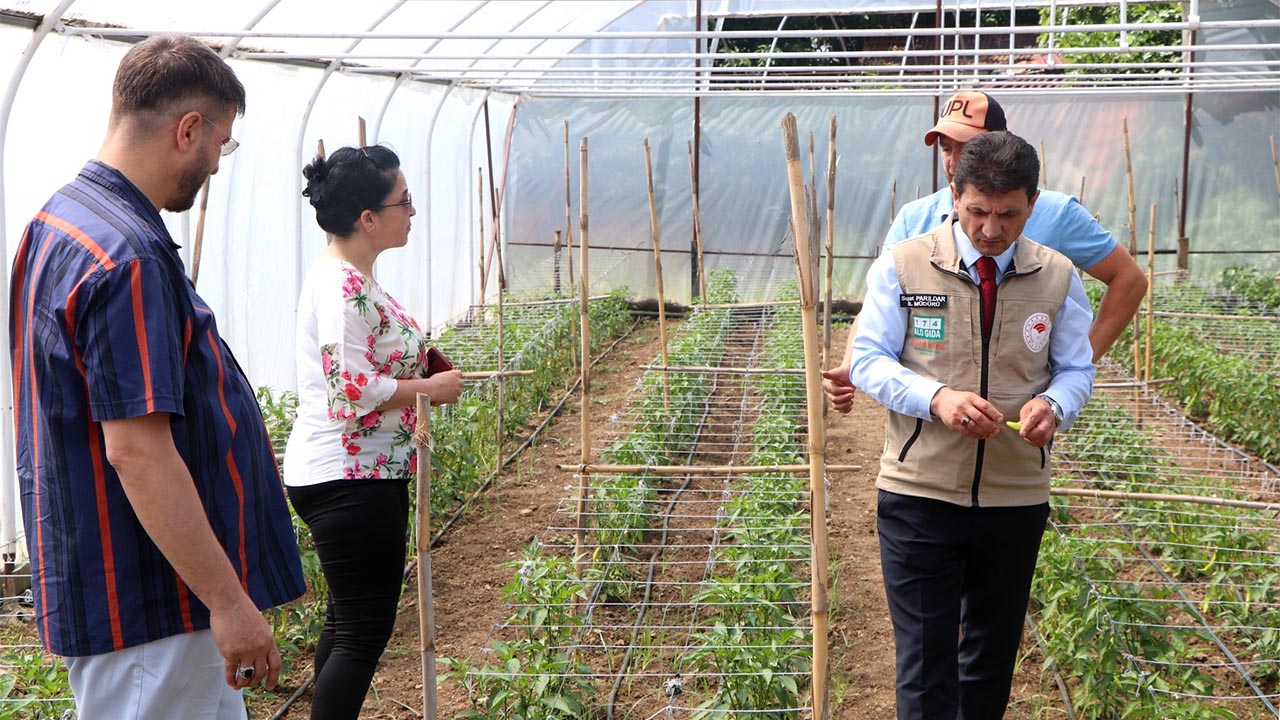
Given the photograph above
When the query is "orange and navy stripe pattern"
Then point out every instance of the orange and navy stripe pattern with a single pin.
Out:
(104, 326)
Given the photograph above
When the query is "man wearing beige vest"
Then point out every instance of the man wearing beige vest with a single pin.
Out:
(964, 328)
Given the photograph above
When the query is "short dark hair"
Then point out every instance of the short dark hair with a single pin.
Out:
(348, 182)
(164, 69)
(998, 162)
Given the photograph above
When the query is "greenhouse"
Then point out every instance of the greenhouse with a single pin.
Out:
(643, 228)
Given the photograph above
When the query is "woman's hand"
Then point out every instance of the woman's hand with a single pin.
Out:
(445, 387)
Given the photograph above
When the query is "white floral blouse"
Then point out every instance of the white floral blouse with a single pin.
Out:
(353, 341)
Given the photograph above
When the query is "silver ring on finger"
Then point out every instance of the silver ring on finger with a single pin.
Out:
(965, 420)
(245, 673)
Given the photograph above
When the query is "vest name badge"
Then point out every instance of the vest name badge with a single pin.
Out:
(922, 301)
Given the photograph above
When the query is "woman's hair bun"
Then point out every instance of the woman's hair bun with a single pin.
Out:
(315, 173)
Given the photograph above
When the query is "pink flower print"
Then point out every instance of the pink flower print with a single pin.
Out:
(413, 463)
(383, 322)
(352, 285)
(362, 380)
(368, 356)
(370, 421)
(395, 355)
(376, 474)
(353, 449)
(370, 341)
(326, 361)
(350, 473)
(352, 392)
(381, 460)
(408, 416)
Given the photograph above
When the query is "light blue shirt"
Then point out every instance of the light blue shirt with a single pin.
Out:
(1058, 221)
(882, 331)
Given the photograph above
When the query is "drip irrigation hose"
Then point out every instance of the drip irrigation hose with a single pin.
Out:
(412, 564)
(1191, 606)
(653, 558)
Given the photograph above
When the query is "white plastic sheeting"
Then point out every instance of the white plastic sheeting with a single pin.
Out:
(401, 66)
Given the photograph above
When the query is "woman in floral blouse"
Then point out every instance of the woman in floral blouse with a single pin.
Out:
(361, 361)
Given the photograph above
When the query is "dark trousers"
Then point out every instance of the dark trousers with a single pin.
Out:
(952, 571)
(359, 527)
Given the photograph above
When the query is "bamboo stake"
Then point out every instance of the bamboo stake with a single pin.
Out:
(198, 247)
(360, 131)
(484, 278)
(1081, 196)
(556, 273)
(1044, 166)
(568, 211)
(1275, 163)
(819, 600)
(724, 370)
(502, 359)
(1163, 497)
(1184, 243)
(1151, 268)
(585, 348)
(831, 249)
(1133, 228)
(487, 374)
(1208, 316)
(422, 521)
(657, 266)
(568, 237)
(497, 197)
(697, 230)
(893, 201)
(320, 147)
(604, 469)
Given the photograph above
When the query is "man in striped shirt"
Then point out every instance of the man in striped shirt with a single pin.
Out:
(155, 518)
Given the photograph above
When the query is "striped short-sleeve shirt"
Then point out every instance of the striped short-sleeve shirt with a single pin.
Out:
(104, 325)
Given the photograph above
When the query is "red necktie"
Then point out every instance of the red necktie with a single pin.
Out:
(987, 289)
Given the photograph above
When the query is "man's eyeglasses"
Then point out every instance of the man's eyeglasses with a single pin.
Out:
(229, 145)
(408, 200)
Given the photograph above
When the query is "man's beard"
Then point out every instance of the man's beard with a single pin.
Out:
(188, 188)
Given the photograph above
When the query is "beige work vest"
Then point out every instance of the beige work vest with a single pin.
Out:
(944, 343)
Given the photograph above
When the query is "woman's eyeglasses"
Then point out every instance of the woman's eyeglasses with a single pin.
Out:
(408, 200)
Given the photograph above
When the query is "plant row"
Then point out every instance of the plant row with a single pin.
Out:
(1126, 591)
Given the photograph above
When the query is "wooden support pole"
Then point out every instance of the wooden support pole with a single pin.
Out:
(830, 248)
(1184, 244)
(484, 279)
(422, 522)
(697, 230)
(502, 362)
(1275, 164)
(360, 134)
(1151, 268)
(568, 208)
(320, 147)
(488, 374)
(1163, 497)
(1044, 166)
(497, 192)
(604, 469)
(723, 370)
(1133, 233)
(657, 266)
(1081, 196)
(819, 599)
(893, 201)
(197, 248)
(585, 350)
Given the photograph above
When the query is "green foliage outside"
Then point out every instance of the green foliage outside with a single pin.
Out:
(1148, 13)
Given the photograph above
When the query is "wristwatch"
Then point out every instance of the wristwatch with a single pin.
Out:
(1055, 408)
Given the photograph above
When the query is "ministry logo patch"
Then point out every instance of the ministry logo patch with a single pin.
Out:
(1035, 332)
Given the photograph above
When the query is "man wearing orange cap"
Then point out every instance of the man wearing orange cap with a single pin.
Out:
(1059, 222)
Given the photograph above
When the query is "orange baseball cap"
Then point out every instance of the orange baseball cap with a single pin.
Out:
(965, 115)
